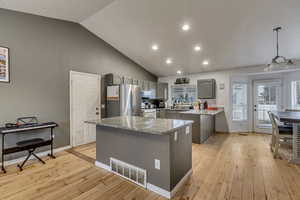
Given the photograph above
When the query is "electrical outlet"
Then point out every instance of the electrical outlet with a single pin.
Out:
(187, 130)
(157, 164)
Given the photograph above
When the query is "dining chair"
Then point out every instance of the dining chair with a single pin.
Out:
(281, 134)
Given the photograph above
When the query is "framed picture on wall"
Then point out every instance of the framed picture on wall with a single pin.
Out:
(4, 64)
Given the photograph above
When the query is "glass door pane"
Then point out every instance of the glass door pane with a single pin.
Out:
(266, 98)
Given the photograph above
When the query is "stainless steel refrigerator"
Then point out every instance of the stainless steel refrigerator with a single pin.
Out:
(123, 100)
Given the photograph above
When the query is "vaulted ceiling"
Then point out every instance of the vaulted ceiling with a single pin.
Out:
(70, 10)
(231, 33)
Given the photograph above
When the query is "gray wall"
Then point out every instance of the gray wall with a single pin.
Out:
(42, 52)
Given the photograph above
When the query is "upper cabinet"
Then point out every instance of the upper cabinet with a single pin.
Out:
(206, 89)
(152, 85)
(145, 85)
(113, 79)
(135, 82)
(127, 80)
(162, 91)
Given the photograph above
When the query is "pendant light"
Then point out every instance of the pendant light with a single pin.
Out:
(278, 62)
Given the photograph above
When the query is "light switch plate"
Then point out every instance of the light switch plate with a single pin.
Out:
(221, 86)
(187, 130)
(157, 164)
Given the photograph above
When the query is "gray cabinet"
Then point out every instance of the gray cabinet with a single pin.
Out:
(202, 128)
(140, 83)
(206, 89)
(162, 91)
(207, 127)
(172, 114)
(144, 85)
(161, 113)
(127, 80)
(135, 82)
(152, 86)
(195, 126)
(113, 79)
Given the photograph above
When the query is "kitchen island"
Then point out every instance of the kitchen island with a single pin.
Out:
(154, 153)
(204, 121)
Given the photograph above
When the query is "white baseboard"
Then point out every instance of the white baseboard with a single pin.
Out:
(166, 193)
(181, 182)
(102, 165)
(40, 154)
(155, 188)
(159, 190)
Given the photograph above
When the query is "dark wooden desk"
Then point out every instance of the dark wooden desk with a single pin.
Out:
(21, 129)
(294, 118)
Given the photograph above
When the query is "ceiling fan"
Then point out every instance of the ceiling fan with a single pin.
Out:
(278, 62)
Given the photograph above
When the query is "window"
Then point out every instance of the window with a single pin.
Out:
(295, 94)
(183, 93)
(239, 102)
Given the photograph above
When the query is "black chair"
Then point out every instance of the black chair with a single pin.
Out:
(286, 128)
(31, 146)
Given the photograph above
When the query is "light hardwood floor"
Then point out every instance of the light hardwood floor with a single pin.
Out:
(226, 167)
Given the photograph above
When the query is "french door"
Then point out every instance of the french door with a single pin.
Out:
(267, 97)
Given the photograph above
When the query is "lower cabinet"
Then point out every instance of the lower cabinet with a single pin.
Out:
(196, 131)
(172, 114)
(202, 128)
(161, 113)
(207, 127)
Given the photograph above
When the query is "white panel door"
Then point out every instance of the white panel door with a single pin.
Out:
(267, 97)
(85, 105)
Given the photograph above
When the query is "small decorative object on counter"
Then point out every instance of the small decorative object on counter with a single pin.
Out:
(205, 105)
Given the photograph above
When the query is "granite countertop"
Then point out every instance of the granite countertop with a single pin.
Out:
(177, 109)
(142, 124)
(203, 112)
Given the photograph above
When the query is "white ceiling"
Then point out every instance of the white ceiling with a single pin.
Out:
(71, 10)
(232, 33)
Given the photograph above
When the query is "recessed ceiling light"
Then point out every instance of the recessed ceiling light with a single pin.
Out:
(205, 62)
(197, 48)
(169, 61)
(154, 47)
(186, 27)
(179, 72)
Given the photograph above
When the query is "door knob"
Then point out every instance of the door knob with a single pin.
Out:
(97, 113)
